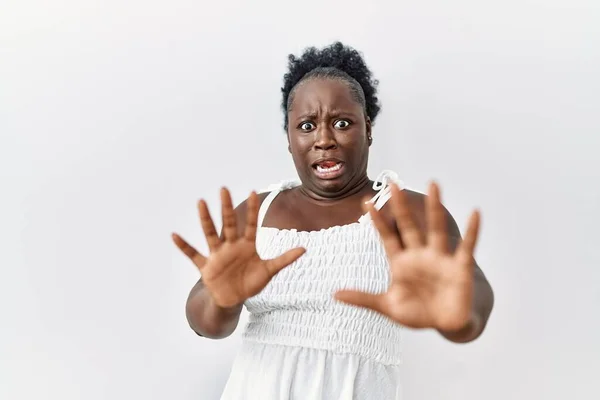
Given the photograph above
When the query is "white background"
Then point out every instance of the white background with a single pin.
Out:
(116, 117)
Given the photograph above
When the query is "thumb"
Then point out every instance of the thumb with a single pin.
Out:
(360, 299)
(277, 264)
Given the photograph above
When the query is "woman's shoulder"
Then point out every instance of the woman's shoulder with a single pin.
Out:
(276, 188)
(417, 203)
(415, 199)
(241, 209)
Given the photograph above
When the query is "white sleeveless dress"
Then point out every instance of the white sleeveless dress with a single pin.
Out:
(302, 344)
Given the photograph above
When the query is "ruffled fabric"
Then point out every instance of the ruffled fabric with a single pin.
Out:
(300, 343)
(297, 308)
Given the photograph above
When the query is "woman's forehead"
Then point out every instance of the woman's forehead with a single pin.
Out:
(316, 94)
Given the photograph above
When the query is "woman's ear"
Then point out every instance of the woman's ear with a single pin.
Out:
(369, 131)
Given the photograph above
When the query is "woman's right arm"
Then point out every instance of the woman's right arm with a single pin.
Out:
(233, 271)
(208, 319)
(205, 317)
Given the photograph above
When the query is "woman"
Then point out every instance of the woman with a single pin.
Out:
(332, 266)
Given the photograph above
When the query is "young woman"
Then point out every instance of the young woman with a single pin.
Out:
(333, 265)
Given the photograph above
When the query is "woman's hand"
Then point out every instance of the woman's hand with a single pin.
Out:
(233, 271)
(430, 286)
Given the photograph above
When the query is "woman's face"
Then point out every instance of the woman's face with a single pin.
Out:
(328, 136)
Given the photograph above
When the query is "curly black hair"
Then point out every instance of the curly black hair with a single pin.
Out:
(336, 61)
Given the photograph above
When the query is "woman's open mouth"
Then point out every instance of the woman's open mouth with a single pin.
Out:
(328, 169)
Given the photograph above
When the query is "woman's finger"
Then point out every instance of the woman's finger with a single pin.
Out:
(437, 235)
(391, 240)
(229, 220)
(277, 264)
(251, 217)
(466, 248)
(198, 259)
(361, 299)
(409, 231)
(208, 226)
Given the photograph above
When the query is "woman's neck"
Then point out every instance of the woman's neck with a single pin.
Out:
(360, 188)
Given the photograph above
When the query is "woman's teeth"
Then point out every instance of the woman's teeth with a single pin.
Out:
(329, 169)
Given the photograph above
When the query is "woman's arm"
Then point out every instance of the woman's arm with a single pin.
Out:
(206, 318)
(435, 281)
(483, 303)
(483, 295)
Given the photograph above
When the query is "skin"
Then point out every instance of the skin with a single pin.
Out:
(436, 283)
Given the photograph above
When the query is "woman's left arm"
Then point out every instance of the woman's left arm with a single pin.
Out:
(435, 282)
(483, 295)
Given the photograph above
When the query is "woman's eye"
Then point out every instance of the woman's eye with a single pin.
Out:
(307, 126)
(341, 124)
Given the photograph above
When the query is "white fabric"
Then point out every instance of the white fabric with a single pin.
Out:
(302, 344)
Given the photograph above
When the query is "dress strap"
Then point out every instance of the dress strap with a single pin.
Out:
(273, 190)
(384, 190)
(382, 184)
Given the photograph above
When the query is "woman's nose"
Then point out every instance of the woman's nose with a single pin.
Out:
(325, 139)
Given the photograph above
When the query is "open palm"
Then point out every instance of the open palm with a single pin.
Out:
(430, 287)
(233, 271)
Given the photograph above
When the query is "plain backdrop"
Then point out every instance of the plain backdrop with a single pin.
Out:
(116, 117)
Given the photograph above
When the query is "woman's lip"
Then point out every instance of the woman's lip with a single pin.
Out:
(329, 175)
(322, 160)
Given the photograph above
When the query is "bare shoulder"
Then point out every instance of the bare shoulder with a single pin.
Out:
(416, 201)
(417, 204)
(241, 211)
